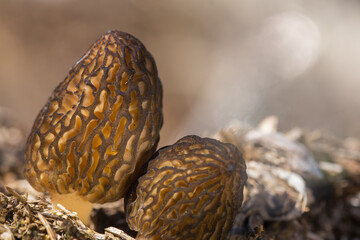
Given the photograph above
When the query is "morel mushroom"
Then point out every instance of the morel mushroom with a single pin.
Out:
(98, 128)
(191, 190)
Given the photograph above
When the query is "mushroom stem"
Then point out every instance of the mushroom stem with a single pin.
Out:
(75, 203)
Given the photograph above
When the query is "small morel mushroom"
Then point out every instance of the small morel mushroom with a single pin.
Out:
(99, 126)
(191, 190)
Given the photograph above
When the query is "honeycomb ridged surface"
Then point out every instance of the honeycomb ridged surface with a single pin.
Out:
(190, 190)
(100, 125)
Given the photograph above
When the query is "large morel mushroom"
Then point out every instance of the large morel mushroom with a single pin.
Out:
(99, 126)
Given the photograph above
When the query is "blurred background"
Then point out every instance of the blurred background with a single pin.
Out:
(218, 60)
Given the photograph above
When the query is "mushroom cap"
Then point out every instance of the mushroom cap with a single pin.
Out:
(100, 125)
(191, 190)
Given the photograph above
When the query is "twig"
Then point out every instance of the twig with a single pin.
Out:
(47, 226)
(15, 194)
(115, 232)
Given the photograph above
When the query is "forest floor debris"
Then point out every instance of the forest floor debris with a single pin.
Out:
(326, 207)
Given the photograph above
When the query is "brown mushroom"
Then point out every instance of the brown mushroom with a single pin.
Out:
(191, 190)
(99, 126)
